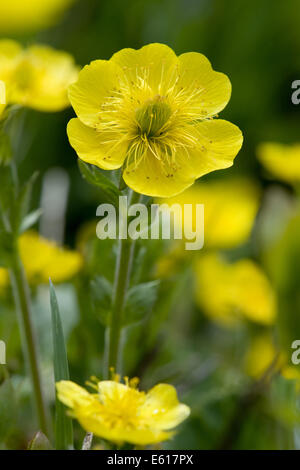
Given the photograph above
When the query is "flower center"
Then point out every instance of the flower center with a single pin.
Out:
(152, 116)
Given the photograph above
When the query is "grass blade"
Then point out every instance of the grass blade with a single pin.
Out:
(63, 424)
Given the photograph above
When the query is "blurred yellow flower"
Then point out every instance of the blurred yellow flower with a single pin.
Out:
(36, 77)
(43, 259)
(19, 16)
(230, 208)
(263, 354)
(227, 292)
(152, 112)
(283, 161)
(2, 96)
(121, 413)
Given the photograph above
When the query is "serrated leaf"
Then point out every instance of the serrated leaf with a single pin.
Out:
(140, 300)
(101, 292)
(63, 424)
(95, 176)
(39, 442)
(7, 408)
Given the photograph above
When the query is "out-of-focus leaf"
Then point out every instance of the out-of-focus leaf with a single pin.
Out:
(21, 204)
(140, 301)
(30, 220)
(101, 291)
(7, 188)
(95, 176)
(39, 442)
(7, 408)
(5, 148)
(63, 424)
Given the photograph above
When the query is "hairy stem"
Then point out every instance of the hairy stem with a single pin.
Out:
(124, 260)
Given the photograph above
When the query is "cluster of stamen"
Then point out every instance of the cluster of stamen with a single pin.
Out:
(159, 122)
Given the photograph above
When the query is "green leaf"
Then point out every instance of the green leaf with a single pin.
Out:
(30, 219)
(101, 293)
(7, 408)
(63, 424)
(21, 205)
(39, 442)
(140, 300)
(96, 177)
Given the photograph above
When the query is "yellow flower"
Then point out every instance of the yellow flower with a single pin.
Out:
(230, 208)
(283, 161)
(2, 96)
(263, 354)
(37, 77)
(30, 15)
(121, 413)
(43, 259)
(227, 292)
(152, 112)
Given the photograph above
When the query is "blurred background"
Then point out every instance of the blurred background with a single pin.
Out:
(258, 46)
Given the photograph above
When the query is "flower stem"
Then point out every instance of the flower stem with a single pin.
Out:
(113, 353)
(23, 307)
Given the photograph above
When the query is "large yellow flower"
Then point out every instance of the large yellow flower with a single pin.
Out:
(227, 292)
(230, 208)
(283, 161)
(43, 259)
(152, 112)
(30, 15)
(121, 413)
(37, 77)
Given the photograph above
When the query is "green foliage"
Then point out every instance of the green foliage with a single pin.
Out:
(101, 292)
(140, 300)
(63, 424)
(97, 177)
(7, 409)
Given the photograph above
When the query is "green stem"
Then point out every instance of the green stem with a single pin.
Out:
(23, 307)
(122, 278)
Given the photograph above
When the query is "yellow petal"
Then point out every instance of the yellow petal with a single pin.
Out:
(42, 77)
(143, 436)
(96, 82)
(95, 148)
(283, 161)
(211, 89)
(228, 219)
(155, 63)
(42, 259)
(227, 292)
(162, 409)
(155, 178)
(2, 96)
(219, 142)
(72, 395)
(19, 16)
